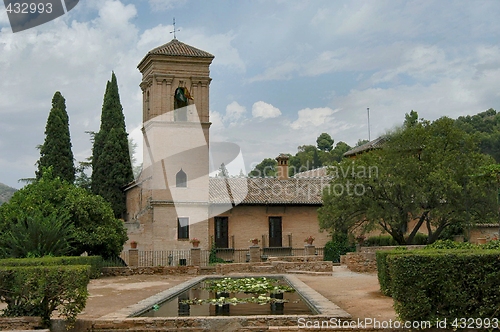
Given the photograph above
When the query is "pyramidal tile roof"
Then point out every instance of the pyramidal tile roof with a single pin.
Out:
(177, 48)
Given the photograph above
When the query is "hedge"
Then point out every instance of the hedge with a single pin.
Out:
(388, 240)
(39, 290)
(429, 285)
(383, 269)
(95, 262)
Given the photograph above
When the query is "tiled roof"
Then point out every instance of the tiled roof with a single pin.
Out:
(303, 191)
(372, 145)
(177, 48)
(313, 173)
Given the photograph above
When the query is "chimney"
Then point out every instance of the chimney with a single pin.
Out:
(282, 160)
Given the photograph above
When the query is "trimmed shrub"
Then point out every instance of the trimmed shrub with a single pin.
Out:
(387, 240)
(450, 244)
(430, 285)
(494, 244)
(95, 262)
(39, 290)
(384, 279)
(380, 241)
(420, 239)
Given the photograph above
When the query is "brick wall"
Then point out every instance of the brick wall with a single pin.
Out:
(246, 222)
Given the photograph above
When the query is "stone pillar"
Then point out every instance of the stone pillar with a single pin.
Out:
(310, 249)
(254, 254)
(196, 256)
(133, 257)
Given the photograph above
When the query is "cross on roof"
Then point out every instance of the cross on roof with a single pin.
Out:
(174, 29)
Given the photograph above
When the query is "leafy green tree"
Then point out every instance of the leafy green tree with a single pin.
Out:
(425, 172)
(339, 150)
(325, 142)
(111, 164)
(56, 149)
(95, 229)
(316, 160)
(266, 167)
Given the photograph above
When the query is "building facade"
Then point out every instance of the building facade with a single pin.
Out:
(174, 200)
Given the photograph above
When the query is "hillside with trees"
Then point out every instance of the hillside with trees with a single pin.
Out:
(6, 193)
(307, 157)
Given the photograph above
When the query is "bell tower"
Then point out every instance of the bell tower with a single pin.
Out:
(173, 185)
(169, 67)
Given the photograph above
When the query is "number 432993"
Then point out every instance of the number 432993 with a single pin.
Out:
(29, 8)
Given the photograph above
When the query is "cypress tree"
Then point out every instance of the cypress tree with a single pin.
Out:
(56, 151)
(111, 165)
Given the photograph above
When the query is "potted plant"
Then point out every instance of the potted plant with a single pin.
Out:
(309, 240)
(133, 244)
(195, 242)
(255, 241)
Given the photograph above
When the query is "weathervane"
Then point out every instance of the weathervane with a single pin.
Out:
(174, 29)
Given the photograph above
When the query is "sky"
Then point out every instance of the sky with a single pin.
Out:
(284, 71)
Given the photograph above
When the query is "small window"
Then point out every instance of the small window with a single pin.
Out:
(181, 179)
(182, 228)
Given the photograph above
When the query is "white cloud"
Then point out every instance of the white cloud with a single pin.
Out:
(75, 58)
(4, 19)
(219, 45)
(162, 5)
(264, 110)
(234, 112)
(312, 116)
(282, 71)
(114, 15)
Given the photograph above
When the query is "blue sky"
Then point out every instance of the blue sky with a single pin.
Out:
(284, 71)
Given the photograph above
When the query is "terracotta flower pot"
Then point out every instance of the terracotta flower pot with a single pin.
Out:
(196, 244)
(133, 245)
(255, 242)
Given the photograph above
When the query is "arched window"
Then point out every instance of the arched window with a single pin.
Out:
(181, 179)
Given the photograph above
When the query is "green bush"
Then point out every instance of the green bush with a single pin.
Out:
(339, 245)
(387, 240)
(39, 290)
(212, 258)
(95, 262)
(449, 284)
(420, 239)
(450, 244)
(495, 244)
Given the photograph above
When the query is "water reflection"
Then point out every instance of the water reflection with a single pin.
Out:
(176, 308)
